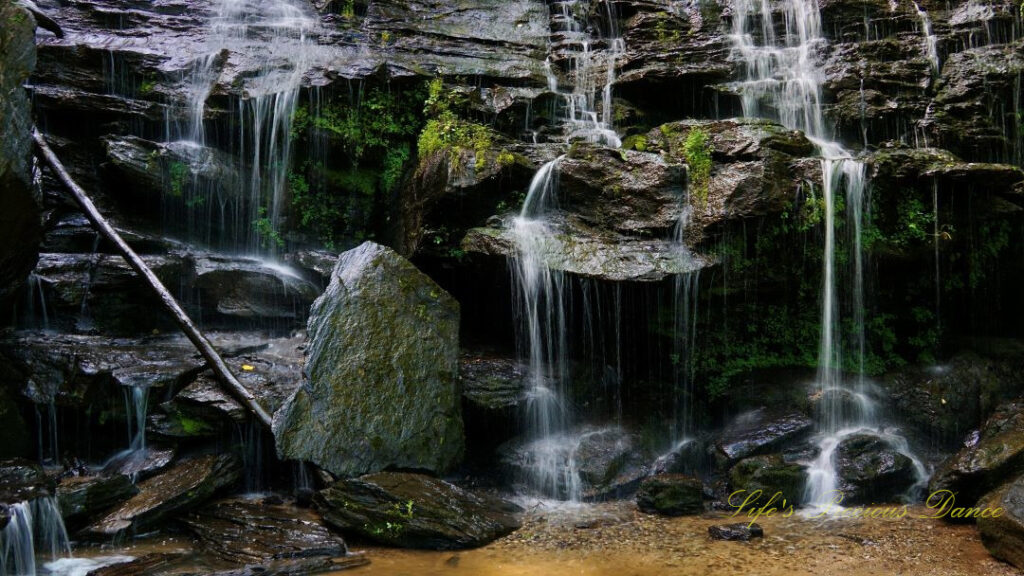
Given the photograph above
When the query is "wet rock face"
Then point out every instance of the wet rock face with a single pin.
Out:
(382, 369)
(872, 471)
(183, 486)
(415, 511)
(757, 432)
(20, 218)
(1004, 535)
(988, 458)
(948, 401)
(82, 497)
(770, 474)
(671, 495)
(249, 532)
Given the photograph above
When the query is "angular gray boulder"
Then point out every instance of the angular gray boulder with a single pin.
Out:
(382, 388)
(1002, 533)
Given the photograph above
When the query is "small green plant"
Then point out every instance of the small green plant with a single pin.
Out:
(264, 228)
(178, 174)
(447, 131)
(697, 151)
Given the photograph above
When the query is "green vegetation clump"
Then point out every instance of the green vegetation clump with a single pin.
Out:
(697, 152)
(447, 131)
(337, 194)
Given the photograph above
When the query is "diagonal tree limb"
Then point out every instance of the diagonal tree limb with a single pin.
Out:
(205, 347)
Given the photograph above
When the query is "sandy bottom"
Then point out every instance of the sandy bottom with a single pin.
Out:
(615, 539)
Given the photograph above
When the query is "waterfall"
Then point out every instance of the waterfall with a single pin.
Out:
(35, 527)
(279, 34)
(541, 298)
(781, 78)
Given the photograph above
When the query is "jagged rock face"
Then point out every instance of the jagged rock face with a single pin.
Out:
(990, 456)
(20, 218)
(82, 497)
(182, 487)
(382, 367)
(759, 431)
(415, 511)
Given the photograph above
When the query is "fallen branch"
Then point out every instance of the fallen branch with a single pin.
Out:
(216, 363)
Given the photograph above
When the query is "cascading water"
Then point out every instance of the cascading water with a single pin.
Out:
(35, 528)
(136, 400)
(541, 300)
(782, 78)
(245, 215)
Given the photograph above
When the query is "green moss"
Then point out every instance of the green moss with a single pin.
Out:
(636, 142)
(447, 131)
(697, 152)
(177, 173)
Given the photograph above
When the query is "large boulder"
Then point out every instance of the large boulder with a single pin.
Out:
(872, 471)
(1003, 535)
(990, 456)
(182, 487)
(382, 368)
(671, 495)
(19, 220)
(415, 511)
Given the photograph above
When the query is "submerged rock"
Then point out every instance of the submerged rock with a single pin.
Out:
(988, 458)
(185, 485)
(771, 475)
(738, 532)
(382, 368)
(671, 495)
(871, 471)
(415, 511)
(81, 497)
(248, 533)
(759, 431)
(1003, 535)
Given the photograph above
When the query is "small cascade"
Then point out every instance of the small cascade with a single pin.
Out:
(930, 44)
(541, 299)
(136, 402)
(782, 79)
(34, 529)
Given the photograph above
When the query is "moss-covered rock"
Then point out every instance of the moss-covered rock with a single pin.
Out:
(671, 495)
(771, 475)
(415, 511)
(382, 369)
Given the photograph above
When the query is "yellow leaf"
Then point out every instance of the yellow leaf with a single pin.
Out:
(247, 368)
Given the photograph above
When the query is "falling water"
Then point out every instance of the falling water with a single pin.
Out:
(136, 400)
(252, 209)
(35, 528)
(540, 298)
(782, 78)
(930, 44)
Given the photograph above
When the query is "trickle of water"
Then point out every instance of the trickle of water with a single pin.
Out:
(136, 402)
